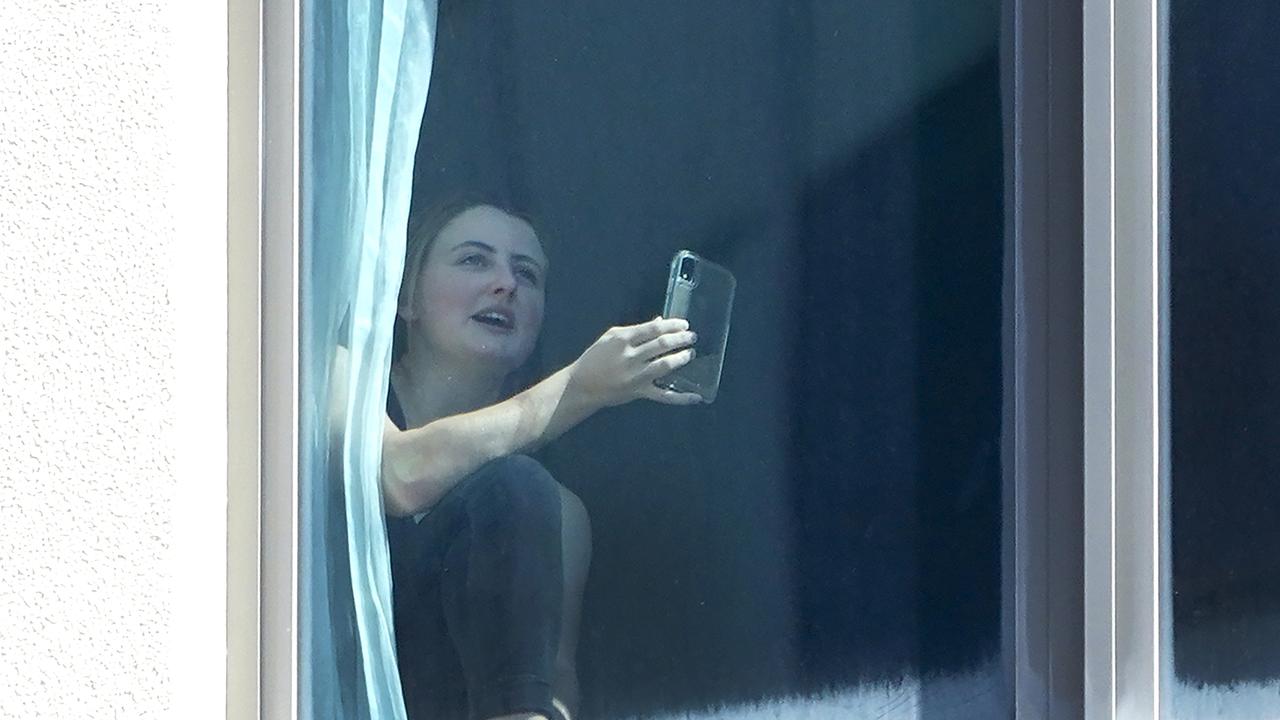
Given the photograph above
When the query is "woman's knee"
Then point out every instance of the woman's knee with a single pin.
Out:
(517, 488)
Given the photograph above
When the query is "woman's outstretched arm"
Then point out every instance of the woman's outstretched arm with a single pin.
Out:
(420, 465)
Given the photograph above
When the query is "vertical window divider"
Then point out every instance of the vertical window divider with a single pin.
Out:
(1099, 470)
(244, 356)
(1123, 375)
(278, 538)
(1043, 570)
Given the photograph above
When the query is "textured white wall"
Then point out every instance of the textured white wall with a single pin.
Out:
(100, 192)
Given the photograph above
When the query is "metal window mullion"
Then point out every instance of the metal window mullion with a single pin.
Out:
(244, 357)
(279, 338)
(1122, 360)
(1099, 441)
(1043, 572)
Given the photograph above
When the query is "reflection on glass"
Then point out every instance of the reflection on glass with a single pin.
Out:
(1224, 258)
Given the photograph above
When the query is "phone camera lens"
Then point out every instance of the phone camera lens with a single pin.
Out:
(686, 269)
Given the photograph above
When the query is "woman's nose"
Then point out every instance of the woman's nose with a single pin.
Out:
(504, 282)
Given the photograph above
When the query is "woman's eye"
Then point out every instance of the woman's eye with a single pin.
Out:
(472, 259)
(529, 275)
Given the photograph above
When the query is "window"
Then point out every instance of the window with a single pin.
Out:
(936, 453)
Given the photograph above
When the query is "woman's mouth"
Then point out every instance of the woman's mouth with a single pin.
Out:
(496, 318)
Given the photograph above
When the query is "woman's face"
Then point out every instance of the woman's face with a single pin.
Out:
(480, 291)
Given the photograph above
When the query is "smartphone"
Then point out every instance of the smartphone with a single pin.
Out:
(701, 292)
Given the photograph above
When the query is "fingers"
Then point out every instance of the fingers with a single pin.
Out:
(665, 365)
(670, 397)
(665, 343)
(638, 335)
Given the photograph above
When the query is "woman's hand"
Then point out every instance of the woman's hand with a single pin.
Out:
(622, 365)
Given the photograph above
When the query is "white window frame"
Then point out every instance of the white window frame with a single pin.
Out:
(262, 359)
(194, 110)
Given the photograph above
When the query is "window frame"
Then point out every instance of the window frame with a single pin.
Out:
(1125, 316)
(243, 351)
(1043, 572)
(1086, 163)
(262, 359)
(279, 283)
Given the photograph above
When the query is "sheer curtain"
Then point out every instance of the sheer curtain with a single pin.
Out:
(366, 67)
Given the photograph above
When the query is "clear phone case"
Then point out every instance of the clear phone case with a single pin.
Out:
(701, 292)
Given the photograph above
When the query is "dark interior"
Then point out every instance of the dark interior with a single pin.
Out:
(835, 516)
(1224, 259)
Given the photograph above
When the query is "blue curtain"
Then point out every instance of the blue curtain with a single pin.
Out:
(366, 65)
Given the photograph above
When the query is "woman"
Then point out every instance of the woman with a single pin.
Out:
(489, 552)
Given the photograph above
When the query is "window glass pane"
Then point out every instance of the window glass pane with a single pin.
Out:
(825, 538)
(1224, 258)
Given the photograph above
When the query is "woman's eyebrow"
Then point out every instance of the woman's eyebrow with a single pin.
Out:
(491, 249)
(475, 243)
